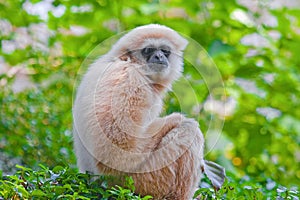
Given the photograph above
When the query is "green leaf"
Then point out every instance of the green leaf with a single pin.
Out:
(58, 169)
(22, 191)
(147, 197)
(38, 193)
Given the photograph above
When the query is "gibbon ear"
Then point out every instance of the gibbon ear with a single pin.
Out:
(127, 57)
(124, 57)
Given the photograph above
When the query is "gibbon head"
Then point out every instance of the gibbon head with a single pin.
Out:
(156, 49)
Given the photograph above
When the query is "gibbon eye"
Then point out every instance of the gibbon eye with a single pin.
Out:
(148, 51)
(166, 52)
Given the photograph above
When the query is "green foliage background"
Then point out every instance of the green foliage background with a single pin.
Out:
(36, 123)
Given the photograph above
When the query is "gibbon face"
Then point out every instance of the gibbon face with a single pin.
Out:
(156, 49)
(154, 60)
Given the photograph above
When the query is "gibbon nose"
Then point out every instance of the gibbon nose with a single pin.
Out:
(158, 58)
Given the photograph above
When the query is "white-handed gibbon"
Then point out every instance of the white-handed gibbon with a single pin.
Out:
(117, 127)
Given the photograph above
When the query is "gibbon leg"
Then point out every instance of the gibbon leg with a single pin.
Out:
(180, 178)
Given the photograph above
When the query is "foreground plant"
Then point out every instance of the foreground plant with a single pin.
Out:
(62, 183)
(65, 183)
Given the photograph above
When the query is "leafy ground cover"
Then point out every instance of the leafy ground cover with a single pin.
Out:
(65, 183)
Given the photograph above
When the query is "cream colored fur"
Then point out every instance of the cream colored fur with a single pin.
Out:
(117, 128)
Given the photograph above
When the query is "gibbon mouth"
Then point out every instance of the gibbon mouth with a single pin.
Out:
(159, 62)
(158, 67)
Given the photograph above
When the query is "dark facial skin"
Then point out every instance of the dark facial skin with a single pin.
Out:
(156, 56)
(153, 61)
